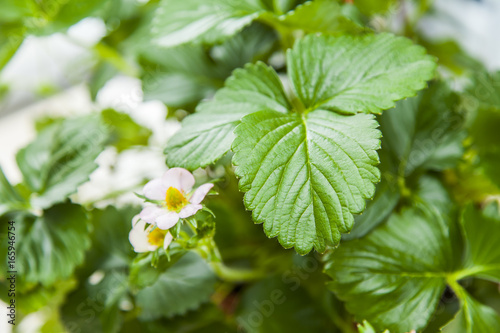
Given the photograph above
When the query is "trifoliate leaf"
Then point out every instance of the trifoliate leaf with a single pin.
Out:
(305, 175)
(481, 233)
(50, 246)
(207, 135)
(181, 287)
(357, 74)
(9, 198)
(408, 259)
(207, 21)
(61, 158)
(473, 316)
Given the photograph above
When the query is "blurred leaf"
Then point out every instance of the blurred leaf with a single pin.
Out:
(49, 247)
(324, 16)
(407, 259)
(61, 158)
(481, 232)
(473, 316)
(103, 72)
(371, 7)
(424, 131)
(208, 21)
(367, 328)
(9, 198)
(184, 75)
(181, 287)
(485, 88)
(273, 305)
(125, 132)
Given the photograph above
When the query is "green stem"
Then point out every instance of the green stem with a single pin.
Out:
(230, 274)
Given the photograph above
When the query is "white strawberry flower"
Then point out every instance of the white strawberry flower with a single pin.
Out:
(175, 198)
(146, 239)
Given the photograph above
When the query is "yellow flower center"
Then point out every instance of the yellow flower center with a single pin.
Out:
(175, 199)
(156, 237)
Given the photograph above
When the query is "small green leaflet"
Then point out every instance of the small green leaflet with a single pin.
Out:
(207, 135)
(357, 74)
(10, 199)
(305, 175)
(61, 158)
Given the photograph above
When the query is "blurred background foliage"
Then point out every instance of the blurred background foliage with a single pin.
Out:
(77, 271)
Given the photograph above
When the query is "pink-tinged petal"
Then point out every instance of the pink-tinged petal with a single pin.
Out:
(167, 221)
(178, 178)
(200, 193)
(168, 239)
(155, 190)
(138, 237)
(150, 213)
(189, 210)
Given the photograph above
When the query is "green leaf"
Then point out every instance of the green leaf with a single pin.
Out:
(305, 175)
(207, 135)
(49, 247)
(425, 131)
(367, 328)
(125, 132)
(10, 199)
(182, 287)
(184, 75)
(357, 74)
(208, 21)
(61, 158)
(473, 316)
(408, 259)
(482, 255)
(485, 88)
(370, 7)
(320, 16)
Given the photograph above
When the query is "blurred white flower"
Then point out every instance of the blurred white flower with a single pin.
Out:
(146, 239)
(175, 198)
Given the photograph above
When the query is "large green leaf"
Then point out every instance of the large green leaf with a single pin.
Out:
(61, 158)
(49, 247)
(181, 287)
(305, 175)
(485, 88)
(208, 21)
(473, 316)
(481, 232)
(357, 74)
(400, 269)
(207, 135)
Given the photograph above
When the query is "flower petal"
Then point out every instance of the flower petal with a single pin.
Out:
(155, 189)
(150, 213)
(138, 237)
(167, 221)
(200, 193)
(189, 210)
(168, 239)
(178, 178)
